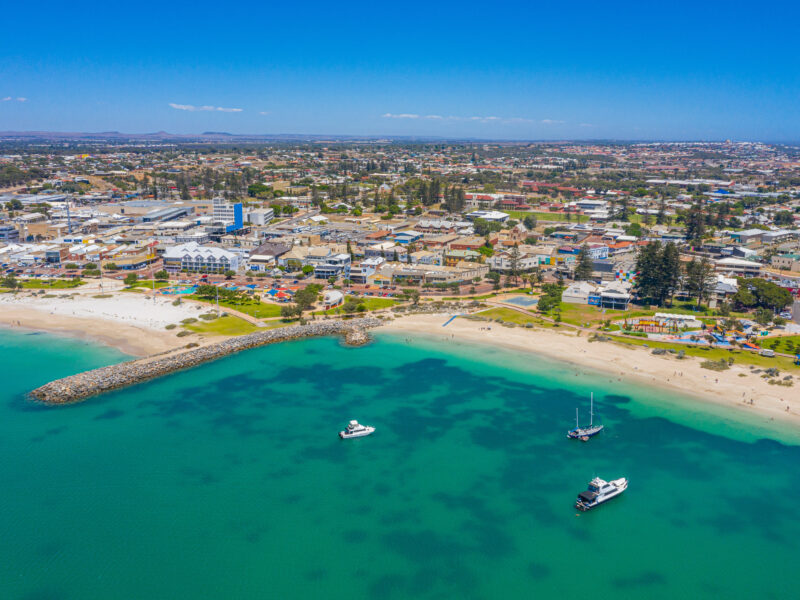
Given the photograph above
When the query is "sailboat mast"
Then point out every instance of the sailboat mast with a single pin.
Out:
(577, 425)
(591, 409)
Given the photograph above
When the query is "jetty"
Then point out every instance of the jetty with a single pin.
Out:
(76, 388)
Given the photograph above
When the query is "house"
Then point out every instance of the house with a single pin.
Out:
(265, 256)
(332, 298)
(360, 273)
(333, 266)
(453, 257)
(578, 292)
(786, 262)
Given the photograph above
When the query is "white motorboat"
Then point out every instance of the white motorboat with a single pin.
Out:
(354, 429)
(600, 491)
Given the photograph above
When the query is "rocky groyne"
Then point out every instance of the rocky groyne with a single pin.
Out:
(90, 383)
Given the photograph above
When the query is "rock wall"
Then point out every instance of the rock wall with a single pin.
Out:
(90, 383)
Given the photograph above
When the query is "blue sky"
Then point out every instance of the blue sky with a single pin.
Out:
(511, 70)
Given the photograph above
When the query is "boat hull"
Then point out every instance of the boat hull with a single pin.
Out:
(584, 432)
(620, 484)
(367, 431)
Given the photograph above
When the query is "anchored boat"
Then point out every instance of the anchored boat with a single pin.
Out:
(354, 429)
(600, 491)
(584, 433)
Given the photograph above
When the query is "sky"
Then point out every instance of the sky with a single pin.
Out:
(504, 70)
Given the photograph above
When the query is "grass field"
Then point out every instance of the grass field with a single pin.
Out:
(369, 302)
(225, 325)
(547, 216)
(47, 284)
(260, 310)
(789, 344)
(148, 283)
(510, 316)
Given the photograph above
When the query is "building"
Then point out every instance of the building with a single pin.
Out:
(260, 216)
(747, 236)
(266, 255)
(488, 215)
(332, 298)
(229, 213)
(737, 266)
(8, 233)
(334, 265)
(195, 258)
(784, 262)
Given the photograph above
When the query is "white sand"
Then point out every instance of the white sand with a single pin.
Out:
(735, 387)
(132, 322)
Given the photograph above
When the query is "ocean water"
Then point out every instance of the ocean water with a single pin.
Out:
(229, 481)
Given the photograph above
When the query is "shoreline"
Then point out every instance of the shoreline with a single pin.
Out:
(728, 388)
(136, 341)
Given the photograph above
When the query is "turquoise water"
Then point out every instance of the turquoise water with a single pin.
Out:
(229, 481)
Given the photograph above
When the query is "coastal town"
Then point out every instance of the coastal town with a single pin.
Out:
(376, 302)
(687, 249)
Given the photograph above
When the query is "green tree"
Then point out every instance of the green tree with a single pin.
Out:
(412, 295)
(700, 278)
(584, 266)
(695, 223)
(530, 222)
(161, 275)
(229, 274)
(307, 270)
(10, 282)
(131, 279)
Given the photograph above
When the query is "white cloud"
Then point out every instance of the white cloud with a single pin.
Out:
(476, 119)
(10, 98)
(22, 99)
(193, 108)
(264, 112)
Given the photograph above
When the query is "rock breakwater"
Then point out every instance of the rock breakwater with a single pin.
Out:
(97, 381)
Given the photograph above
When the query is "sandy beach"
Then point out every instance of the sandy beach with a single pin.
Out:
(735, 387)
(135, 324)
(130, 322)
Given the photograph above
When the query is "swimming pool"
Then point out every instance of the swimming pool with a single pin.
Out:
(522, 301)
(171, 291)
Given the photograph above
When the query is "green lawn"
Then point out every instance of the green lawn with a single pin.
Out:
(510, 316)
(225, 325)
(789, 344)
(55, 284)
(260, 310)
(369, 302)
(148, 283)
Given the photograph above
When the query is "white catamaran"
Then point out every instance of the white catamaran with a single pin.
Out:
(584, 433)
